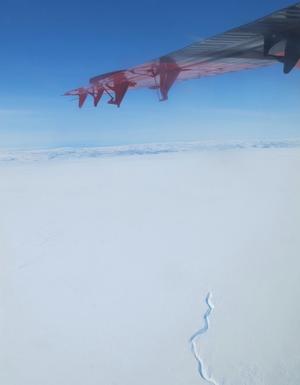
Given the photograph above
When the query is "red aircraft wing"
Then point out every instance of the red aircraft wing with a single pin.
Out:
(269, 40)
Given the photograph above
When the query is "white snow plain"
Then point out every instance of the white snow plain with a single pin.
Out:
(106, 263)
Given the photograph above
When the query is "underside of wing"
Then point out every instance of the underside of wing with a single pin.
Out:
(269, 40)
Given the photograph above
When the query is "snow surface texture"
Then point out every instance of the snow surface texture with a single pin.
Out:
(105, 263)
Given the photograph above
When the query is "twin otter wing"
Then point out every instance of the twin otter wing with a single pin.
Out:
(271, 39)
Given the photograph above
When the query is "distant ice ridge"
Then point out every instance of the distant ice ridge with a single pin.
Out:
(136, 149)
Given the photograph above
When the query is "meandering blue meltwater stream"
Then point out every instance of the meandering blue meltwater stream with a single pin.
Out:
(193, 341)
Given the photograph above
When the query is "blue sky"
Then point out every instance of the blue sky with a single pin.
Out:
(49, 47)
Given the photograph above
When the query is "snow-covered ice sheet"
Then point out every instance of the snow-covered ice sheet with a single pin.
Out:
(67, 153)
(106, 263)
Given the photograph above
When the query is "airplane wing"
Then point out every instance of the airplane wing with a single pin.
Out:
(269, 40)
